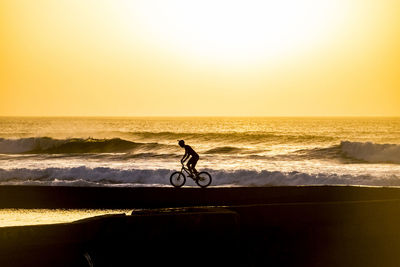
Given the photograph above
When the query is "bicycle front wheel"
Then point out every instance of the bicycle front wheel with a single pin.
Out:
(177, 179)
(204, 179)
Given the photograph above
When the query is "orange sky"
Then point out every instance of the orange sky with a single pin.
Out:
(175, 57)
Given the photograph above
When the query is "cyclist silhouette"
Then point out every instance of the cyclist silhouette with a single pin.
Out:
(189, 152)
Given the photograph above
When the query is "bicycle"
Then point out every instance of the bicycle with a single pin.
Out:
(178, 179)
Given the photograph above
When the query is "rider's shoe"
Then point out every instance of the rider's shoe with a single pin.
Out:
(190, 175)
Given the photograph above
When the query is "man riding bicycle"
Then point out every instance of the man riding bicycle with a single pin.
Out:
(189, 152)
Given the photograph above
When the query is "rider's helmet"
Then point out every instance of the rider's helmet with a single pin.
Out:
(181, 143)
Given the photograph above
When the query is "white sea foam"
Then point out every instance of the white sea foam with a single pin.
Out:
(84, 176)
(93, 175)
(371, 152)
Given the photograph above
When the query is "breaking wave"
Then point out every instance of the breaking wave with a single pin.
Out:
(371, 152)
(41, 145)
(226, 150)
(352, 152)
(345, 152)
(103, 176)
(47, 145)
(227, 137)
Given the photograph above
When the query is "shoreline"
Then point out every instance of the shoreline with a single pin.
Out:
(66, 197)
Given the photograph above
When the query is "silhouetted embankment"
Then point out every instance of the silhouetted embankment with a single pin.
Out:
(284, 226)
(165, 197)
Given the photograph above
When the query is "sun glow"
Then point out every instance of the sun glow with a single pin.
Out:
(232, 31)
(236, 58)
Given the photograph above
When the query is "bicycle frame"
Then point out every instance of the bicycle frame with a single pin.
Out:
(187, 171)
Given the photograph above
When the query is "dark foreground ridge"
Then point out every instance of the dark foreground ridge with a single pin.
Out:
(275, 226)
(65, 197)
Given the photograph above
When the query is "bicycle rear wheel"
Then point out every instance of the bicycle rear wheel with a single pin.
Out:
(177, 179)
(203, 179)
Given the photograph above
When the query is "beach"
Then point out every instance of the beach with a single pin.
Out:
(62, 197)
(273, 226)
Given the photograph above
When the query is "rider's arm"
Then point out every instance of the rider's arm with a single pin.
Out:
(185, 157)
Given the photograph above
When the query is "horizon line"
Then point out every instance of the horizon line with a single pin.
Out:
(199, 116)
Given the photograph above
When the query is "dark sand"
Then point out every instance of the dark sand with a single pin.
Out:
(153, 197)
(270, 226)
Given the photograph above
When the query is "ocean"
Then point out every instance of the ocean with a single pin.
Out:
(238, 151)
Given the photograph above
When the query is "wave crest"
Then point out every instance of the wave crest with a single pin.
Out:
(49, 145)
(228, 137)
(224, 150)
(371, 152)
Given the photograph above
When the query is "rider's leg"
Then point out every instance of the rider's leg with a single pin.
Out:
(189, 166)
(193, 165)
